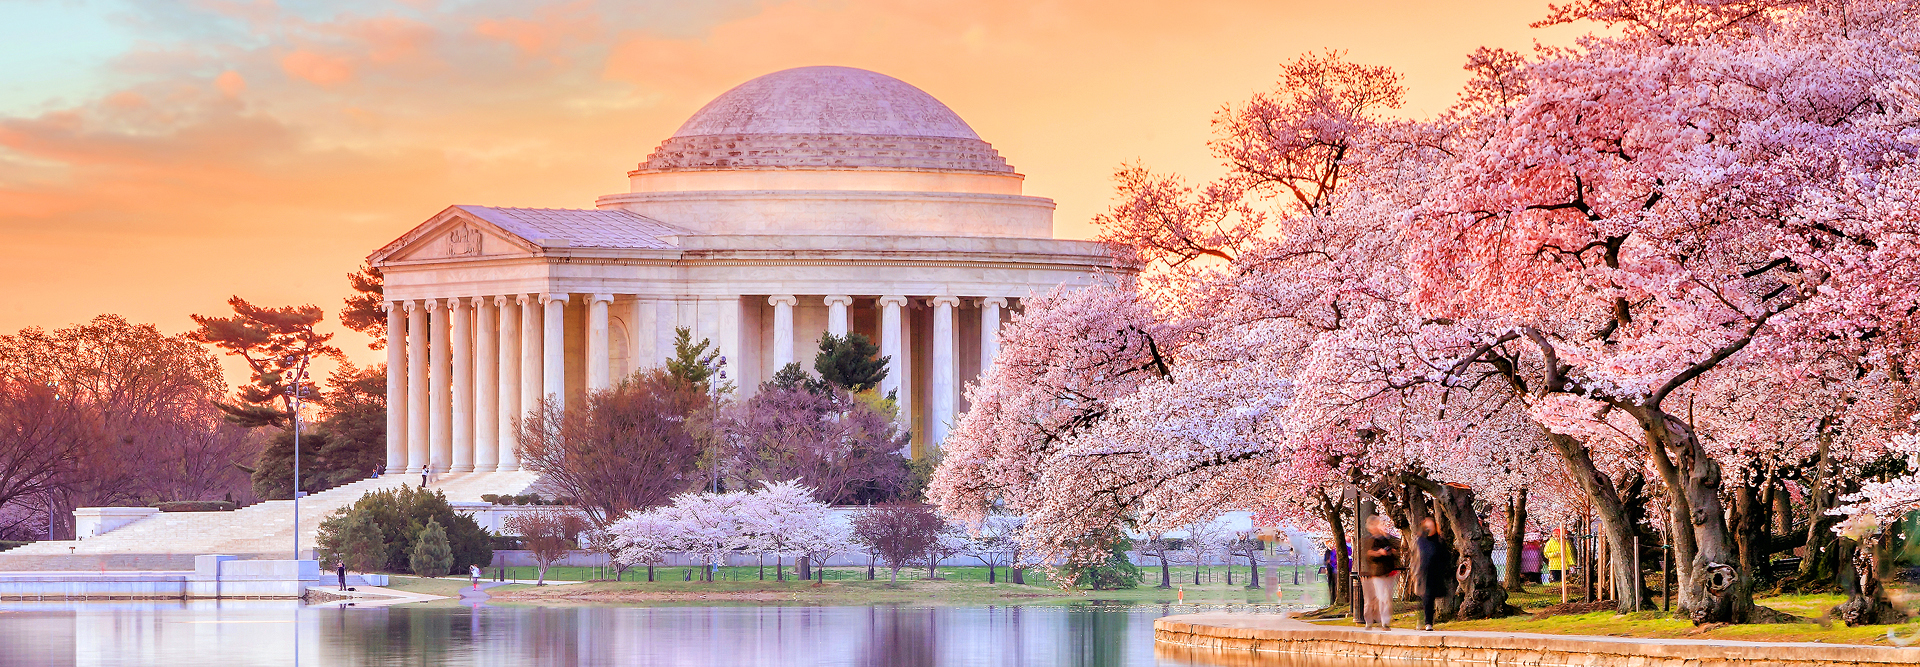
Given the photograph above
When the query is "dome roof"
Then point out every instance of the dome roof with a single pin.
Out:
(825, 118)
(826, 100)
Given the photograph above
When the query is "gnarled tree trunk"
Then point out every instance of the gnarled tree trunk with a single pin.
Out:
(1717, 590)
(1480, 594)
(1516, 539)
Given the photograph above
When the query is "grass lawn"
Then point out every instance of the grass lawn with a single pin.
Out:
(1656, 624)
(849, 585)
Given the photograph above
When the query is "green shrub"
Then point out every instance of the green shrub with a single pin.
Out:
(400, 515)
(491, 498)
(9, 544)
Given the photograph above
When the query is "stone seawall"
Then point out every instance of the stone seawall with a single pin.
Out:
(1242, 640)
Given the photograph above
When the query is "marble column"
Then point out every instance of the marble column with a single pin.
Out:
(486, 385)
(782, 329)
(418, 420)
(990, 330)
(532, 352)
(666, 313)
(396, 388)
(553, 365)
(508, 400)
(837, 314)
(462, 317)
(440, 375)
(943, 386)
(599, 351)
(892, 312)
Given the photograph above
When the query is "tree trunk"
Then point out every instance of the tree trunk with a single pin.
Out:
(1750, 536)
(649, 573)
(1253, 565)
(1480, 593)
(1166, 573)
(806, 568)
(990, 579)
(1019, 575)
(779, 570)
(1719, 592)
(1516, 539)
(1820, 568)
(1860, 570)
(1607, 506)
(1343, 565)
(1416, 509)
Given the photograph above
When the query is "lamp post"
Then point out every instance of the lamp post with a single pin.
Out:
(298, 392)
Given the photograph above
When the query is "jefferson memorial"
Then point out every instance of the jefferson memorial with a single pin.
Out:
(806, 201)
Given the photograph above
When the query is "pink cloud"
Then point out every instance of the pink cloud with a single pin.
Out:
(316, 68)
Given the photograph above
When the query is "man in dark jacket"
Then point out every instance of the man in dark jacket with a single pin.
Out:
(1436, 567)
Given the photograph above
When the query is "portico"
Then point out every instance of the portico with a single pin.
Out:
(890, 220)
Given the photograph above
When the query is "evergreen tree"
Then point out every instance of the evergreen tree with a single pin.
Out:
(1116, 572)
(695, 364)
(852, 362)
(362, 548)
(791, 377)
(432, 556)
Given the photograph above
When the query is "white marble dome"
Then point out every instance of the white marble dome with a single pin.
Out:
(826, 100)
(825, 118)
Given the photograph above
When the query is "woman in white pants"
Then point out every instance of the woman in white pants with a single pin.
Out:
(1381, 571)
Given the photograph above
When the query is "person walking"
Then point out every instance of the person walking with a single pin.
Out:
(340, 568)
(1436, 564)
(1555, 553)
(473, 572)
(1530, 559)
(1382, 570)
(425, 470)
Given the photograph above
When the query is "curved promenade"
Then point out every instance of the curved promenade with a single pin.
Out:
(1244, 640)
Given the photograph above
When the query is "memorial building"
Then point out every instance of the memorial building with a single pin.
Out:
(806, 201)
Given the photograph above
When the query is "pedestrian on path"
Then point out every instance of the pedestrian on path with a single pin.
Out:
(340, 568)
(1383, 565)
(1436, 567)
(473, 571)
(1555, 553)
(425, 470)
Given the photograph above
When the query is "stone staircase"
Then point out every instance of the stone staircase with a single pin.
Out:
(170, 540)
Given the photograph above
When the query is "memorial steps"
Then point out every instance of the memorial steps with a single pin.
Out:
(170, 540)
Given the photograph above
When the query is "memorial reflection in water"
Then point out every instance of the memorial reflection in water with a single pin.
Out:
(238, 634)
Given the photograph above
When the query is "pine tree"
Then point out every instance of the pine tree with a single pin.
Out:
(361, 545)
(696, 364)
(852, 362)
(432, 556)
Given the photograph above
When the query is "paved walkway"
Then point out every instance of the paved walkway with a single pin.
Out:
(1277, 634)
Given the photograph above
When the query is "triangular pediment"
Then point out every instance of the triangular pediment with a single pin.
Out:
(454, 234)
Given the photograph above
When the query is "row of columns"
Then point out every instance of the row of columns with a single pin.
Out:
(460, 372)
(944, 383)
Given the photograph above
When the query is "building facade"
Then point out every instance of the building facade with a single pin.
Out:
(807, 201)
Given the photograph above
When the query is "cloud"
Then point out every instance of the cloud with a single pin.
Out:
(263, 148)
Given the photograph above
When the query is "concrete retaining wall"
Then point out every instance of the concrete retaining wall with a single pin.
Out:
(1235, 640)
(213, 576)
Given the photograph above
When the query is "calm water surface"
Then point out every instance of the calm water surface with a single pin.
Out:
(242, 633)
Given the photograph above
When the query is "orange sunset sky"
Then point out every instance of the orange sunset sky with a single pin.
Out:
(157, 156)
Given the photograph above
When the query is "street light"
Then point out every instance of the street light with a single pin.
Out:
(298, 393)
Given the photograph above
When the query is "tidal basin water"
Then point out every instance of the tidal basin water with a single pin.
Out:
(242, 633)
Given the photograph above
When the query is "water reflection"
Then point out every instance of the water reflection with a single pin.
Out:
(236, 634)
